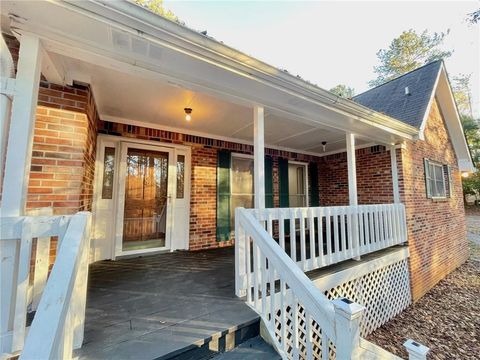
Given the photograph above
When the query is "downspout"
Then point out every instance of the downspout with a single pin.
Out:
(7, 70)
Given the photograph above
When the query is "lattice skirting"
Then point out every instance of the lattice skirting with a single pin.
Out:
(385, 292)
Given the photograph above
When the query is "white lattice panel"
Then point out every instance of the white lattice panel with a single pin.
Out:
(384, 292)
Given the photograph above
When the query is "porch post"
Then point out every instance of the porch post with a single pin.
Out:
(19, 150)
(393, 161)
(259, 156)
(352, 170)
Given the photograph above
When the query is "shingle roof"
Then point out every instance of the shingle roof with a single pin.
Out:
(390, 98)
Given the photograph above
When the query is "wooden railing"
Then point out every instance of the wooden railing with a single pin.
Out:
(300, 320)
(59, 302)
(321, 236)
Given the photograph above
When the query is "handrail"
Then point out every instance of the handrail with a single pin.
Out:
(58, 324)
(313, 299)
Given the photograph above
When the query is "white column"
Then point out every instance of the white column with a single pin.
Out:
(352, 170)
(259, 156)
(393, 161)
(20, 137)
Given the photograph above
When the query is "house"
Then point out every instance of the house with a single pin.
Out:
(130, 135)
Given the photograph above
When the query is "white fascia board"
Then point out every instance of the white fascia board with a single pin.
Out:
(131, 18)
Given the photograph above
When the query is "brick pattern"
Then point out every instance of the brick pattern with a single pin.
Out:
(374, 177)
(63, 157)
(436, 228)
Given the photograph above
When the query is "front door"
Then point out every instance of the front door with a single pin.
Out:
(144, 220)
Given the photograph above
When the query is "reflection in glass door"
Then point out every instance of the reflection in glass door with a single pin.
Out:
(146, 200)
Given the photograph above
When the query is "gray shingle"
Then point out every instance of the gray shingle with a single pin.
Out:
(390, 98)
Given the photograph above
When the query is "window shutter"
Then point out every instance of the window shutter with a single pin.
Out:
(313, 175)
(427, 178)
(283, 182)
(223, 195)
(268, 182)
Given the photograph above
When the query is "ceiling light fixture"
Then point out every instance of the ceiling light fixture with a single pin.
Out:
(188, 112)
(324, 145)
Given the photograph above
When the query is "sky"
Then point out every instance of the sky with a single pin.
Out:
(335, 42)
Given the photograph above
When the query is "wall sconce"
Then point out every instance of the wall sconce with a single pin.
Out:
(465, 174)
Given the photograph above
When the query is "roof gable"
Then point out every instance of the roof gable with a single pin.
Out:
(390, 98)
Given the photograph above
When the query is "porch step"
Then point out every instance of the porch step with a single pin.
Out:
(253, 349)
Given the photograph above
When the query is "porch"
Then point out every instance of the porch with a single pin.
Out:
(181, 304)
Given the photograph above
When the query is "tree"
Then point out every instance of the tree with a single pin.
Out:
(472, 134)
(474, 17)
(343, 91)
(462, 93)
(408, 52)
(156, 6)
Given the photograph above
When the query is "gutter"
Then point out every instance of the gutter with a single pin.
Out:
(211, 50)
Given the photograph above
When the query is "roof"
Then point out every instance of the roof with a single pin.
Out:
(391, 98)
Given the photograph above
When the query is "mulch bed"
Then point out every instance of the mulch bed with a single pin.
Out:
(446, 319)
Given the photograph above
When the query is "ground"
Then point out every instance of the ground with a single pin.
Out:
(447, 318)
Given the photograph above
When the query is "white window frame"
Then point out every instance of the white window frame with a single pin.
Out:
(305, 165)
(429, 179)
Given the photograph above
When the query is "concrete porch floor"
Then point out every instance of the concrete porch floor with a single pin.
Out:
(159, 306)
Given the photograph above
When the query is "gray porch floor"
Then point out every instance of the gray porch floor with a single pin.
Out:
(155, 306)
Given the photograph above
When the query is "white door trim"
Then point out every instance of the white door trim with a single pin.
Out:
(111, 250)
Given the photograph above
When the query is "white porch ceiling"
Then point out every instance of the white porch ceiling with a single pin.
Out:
(124, 97)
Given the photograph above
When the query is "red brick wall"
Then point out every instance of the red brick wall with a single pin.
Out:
(374, 177)
(63, 157)
(436, 228)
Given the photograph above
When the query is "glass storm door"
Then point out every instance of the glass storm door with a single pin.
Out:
(146, 200)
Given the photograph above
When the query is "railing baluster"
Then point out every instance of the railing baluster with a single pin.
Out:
(321, 257)
(248, 265)
(329, 236)
(303, 248)
(361, 230)
(42, 260)
(255, 275)
(336, 241)
(311, 224)
(272, 295)
(281, 228)
(343, 233)
(377, 228)
(381, 221)
(264, 282)
(293, 235)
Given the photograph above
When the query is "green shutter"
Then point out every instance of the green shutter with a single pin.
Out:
(427, 178)
(283, 182)
(268, 182)
(450, 181)
(314, 193)
(223, 195)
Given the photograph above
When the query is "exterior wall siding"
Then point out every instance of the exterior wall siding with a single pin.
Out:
(436, 228)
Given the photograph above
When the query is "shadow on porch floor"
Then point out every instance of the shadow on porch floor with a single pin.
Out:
(155, 306)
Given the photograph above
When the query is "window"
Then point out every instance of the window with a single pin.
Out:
(241, 184)
(437, 180)
(108, 173)
(297, 185)
(180, 176)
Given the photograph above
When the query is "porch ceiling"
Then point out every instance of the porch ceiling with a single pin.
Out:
(131, 99)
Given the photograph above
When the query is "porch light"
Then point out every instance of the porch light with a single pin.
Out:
(188, 112)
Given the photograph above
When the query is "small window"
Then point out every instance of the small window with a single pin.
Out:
(297, 185)
(180, 176)
(241, 185)
(108, 173)
(437, 180)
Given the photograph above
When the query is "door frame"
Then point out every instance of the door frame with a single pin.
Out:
(118, 142)
(122, 172)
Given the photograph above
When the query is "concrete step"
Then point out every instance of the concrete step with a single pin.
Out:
(253, 349)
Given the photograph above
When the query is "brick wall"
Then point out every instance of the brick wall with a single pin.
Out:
(63, 157)
(374, 177)
(436, 228)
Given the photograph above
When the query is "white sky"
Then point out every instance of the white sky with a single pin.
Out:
(335, 42)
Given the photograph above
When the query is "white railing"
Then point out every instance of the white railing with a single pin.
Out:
(59, 302)
(300, 320)
(320, 236)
